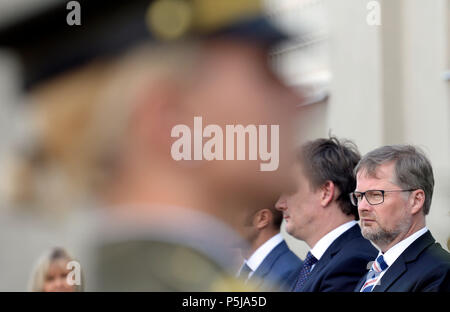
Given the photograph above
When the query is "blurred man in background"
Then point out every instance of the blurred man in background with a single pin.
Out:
(269, 263)
(105, 97)
(320, 213)
(393, 195)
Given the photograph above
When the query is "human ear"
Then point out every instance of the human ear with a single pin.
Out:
(416, 201)
(263, 218)
(327, 193)
(156, 111)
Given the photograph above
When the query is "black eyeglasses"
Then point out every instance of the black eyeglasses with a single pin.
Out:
(373, 197)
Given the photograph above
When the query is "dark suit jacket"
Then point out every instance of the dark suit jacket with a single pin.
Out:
(278, 270)
(343, 263)
(423, 266)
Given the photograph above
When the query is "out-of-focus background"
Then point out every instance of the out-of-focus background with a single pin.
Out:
(376, 72)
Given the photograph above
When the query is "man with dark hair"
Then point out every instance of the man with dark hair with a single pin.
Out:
(269, 263)
(393, 194)
(320, 213)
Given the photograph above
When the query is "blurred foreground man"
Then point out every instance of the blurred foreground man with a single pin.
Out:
(106, 98)
(393, 194)
(269, 263)
(320, 213)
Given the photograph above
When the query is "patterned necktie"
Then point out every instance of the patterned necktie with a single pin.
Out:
(245, 271)
(310, 260)
(378, 266)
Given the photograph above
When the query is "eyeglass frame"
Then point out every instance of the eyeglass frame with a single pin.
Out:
(363, 194)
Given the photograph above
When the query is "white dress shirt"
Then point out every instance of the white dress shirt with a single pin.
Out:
(261, 253)
(395, 251)
(322, 245)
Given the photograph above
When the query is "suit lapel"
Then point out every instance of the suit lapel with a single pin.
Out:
(398, 268)
(333, 249)
(267, 264)
(392, 274)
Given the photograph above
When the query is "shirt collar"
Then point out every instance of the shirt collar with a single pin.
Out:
(395, 251)
(261, 253)
(322, 245)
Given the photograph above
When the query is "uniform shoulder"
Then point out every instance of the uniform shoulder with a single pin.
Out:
(152, 265)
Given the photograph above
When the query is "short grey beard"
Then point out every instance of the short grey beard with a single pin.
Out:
(384, 237)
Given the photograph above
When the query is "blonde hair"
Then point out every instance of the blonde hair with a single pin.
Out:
(39, 273)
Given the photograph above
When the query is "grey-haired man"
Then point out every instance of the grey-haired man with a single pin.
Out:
(393, 194)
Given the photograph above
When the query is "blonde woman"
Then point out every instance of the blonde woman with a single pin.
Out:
(51, 273)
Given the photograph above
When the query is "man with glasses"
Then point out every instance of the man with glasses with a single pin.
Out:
(320, 213)
(393, 195)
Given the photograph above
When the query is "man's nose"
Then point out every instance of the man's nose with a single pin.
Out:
(364, 205)
(281, 204)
